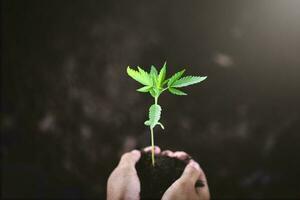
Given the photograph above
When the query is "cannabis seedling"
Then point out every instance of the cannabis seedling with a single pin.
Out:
(156, 83)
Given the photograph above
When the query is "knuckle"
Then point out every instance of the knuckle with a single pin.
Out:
(124, 168)
(166, 152)
(125, 156)
(184, 184)
(192, 172)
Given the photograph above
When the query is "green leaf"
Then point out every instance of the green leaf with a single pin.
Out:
(175, 77)
(154, 115)
(136, 75)
(188, 80)
(165, 81)
(147, 123)
(146, 88)
(162, 75)
(146, 76)
(153, 74)
(176, 91)
(154, 92)
(161, 125)
(153, 71)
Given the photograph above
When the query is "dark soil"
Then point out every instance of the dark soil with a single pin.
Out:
(156, 180)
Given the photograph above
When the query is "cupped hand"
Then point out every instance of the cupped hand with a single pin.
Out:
(124, 183)
(184, 187)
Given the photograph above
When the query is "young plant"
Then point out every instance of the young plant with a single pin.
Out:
(156, 83)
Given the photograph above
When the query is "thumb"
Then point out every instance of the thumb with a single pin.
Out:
(191, 172)
(130, 158)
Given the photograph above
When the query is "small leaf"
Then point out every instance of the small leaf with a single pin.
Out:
(154, 115)
(142, 78)
(162, 75)
(161, 125)
(176, 91)
(175, 77)
(136, 75)
(146, 88)
(188, 80)
(147, 123)
(153, 71)
(153, 74)
(154, 92)
(145, 76)
(165, 81)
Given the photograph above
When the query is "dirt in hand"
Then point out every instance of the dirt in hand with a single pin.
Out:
(155, 180)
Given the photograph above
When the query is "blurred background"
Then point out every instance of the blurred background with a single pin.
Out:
(69, 110)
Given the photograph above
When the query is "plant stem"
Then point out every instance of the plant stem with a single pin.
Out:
(164, 89)
(155, 100)
(152, 138)
(152, 144)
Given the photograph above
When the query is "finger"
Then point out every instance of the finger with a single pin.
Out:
(130, 158)
(202, 188)
(191, 172)
(181, 155)
(149, 148)
(203, 192)
(202, 176)
(168, 153)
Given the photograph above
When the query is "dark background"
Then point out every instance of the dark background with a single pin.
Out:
(68, 109)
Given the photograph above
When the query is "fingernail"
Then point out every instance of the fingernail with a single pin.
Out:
(156, 150)
(194, 164)
(188, 158)
(135, 152)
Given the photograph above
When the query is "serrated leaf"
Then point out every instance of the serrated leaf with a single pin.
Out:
(136, 75)
(146, 88)
(153, 74)
(176, 91)
(146, 76)
(162, 75)
(188, 80)
(154, 115)
(175, 77)
(153, 71)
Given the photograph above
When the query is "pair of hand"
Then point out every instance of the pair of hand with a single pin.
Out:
(124, 183)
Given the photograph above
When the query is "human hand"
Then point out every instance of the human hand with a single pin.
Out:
(184, 187)
(124, 183)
